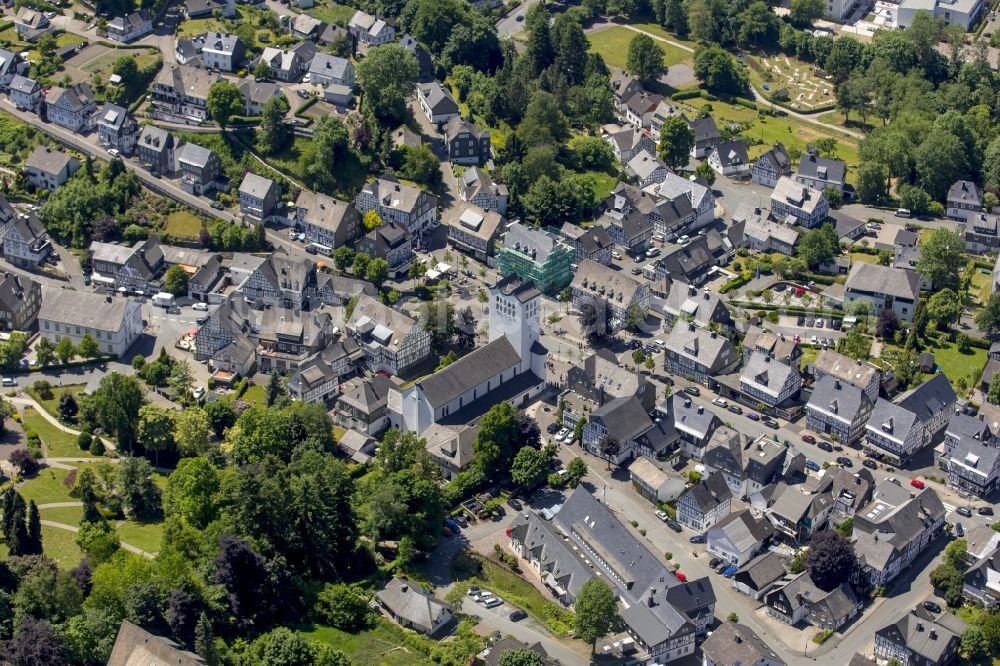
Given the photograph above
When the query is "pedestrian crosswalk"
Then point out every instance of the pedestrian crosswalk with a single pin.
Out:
(949, 508)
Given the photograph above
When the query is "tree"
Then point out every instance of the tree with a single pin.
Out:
(377, 272)
(68, 407)
(942, 259)
(676, 141)
(498, 439)
(98, 541)
(65, 350)
(949, 582)
(530, 467)
(705, 171)
(521, 657)
(988, 319)
(805, 12)
(273, 134)
(888, 323)
(35, 644)
(156, 429)
(388, 77)
(274, 390)
(610, 448)
(420, 165)
(939, 160)
(116, 403)
(576, 469)
(45, 353)
(872, 185)
(544, 122)
(830, 560)
(343, 257)
(645, 59)
(758, 25)
(819, 246)
(140, 496)
(33, 542)
(342, 607)
(372, 220)
(596, 612)
(204, 640)
(262, 71)
(719, 71)
(318, 157)
(224, 101)
(944, 307)
(192, 491)
(175, 280)
(181, 380)
(24, 462)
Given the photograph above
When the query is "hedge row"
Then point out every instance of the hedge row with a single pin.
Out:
(735, 283)
(788, 309)
(62, 366)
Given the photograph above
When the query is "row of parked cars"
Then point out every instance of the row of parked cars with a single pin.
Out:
(490, 600)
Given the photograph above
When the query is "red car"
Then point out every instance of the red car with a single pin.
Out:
(808, 439)
(799, 291)
(681, 577)
(917, 483)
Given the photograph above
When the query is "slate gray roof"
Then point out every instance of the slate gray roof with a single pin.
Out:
(557, 557)
(258, 92)
(707, 348)
(704, 129)
(193, 154)
(329, 66)
(894, 282)
(372, 310)
(255, 186)
(778, 158)
(532, 242)
(603, 369)
(921, 635)
(618, 288)
(155, 138)
(131, 21)
(47, 160)
(801, 196)
(732, 152)
(708, 493)
(734, 643)
(643, 165)
(967, 193)
(688, 301)
(837, 399)
(408, 600)
(457, 125)
(134, 645)
(813, 166)
(368, 394)
(675, 186)
(930, 397)
(977, 455)
(763, 229)
(592, 239)
(82, 308)
(844, 368)
(891, 420)
(768, 375)
(23, 84)
(690, 416)
(624, 418)
(764, 569)
(439, 100)
(469, 371)
(894, 519)
(512, 285)
(114, 116)
(742, 529)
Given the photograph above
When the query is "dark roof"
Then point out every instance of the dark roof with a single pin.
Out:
(837, 398)
(469, 371)
(930, 397)
(733, 643)
(732, 152)
(763, 569)
(512, 285)
(966, 192)
(704, 129)
(708, 493)
(822, 168)
(624, 418)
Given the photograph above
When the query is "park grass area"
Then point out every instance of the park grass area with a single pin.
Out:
(255, 395)
(765, 131)
(58, 444)
(657, 31)
(839, 118)
(60, 545)
(384, 644)
(67, 515)
(102, 62)
(47, 487)
(184, 224)
(103, 65)
(52, 404)
(68, 39)
(612, 44)
(332, 13)
(144, 536)
(193, 27)
(807, 91)
(470, 570)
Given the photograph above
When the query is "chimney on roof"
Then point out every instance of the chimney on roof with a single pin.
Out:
(933, 635)
(836, 384)
(701, 409)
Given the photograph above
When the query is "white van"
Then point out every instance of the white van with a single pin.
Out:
(903, 212)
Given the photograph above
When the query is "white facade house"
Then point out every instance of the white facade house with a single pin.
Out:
(115, 323)
(130, 27)
(25, 93)
(963, 13)
(412, 208)
(437, 102)
(73, 108)
(49, 169)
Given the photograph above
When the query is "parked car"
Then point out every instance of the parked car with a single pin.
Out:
(561, 435)
(730, 571)
(673, 524)
(801, 320)
(652, 252)
(771, 423)
(518, 615)
(809, 439)
(985, 511)
(836, 324)
(959, 530)
(216, 205)
(811, 465)
(844, 461)
(697, 538)
(473, 591)
(870, 464)
(515, 504)
(636, 270)
(9, 381)
(917, 483)
(780, 287)
(964, 511)
(735, 409)
(721, 402)
(202, 307)
(932, 607)
(681, 577)
(553, 428)
(753, 416)
(692, 390)
(714, 562)
(633, 344)
(198, 393)
(662, 515)
(825, 446)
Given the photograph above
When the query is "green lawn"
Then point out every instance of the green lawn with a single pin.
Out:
(956, 365)
(809, 355)
(332, 13)
(67, 515)
(47, 487)
(255, 395)
(602, 182)
(384, 644)
(145, 536)
(513, 589)
(866, 258)
(982, 287)
(104, 61)
(52, 404)
(61, 546)
(765, 131)
(184, 224)
(612, 44)
(68, 39)
(58, 444)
